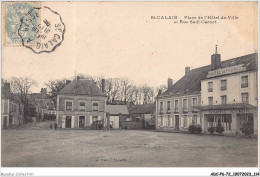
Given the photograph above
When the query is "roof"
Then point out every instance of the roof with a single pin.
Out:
(191, 82)
(143, 109)
(117, 109)
(82, 87)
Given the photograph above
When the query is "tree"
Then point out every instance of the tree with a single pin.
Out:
(162, 87)
(112, 89)
(21, 86)
(125, 85)
(55, 87)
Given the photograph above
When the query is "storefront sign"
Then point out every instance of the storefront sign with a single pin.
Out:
(216, 111)
(228, 70)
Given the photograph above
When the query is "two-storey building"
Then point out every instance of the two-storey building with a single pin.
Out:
(175, 108)
(222, 92)
(229, 93)
(80, 103)
(12, 112)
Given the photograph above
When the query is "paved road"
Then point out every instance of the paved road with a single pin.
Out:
(38, 146)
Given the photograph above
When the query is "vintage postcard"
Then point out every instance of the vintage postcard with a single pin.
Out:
(129, 84)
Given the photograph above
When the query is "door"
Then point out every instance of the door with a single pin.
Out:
(5, 122)
(68, 122)
(81, 121)
(177, 122)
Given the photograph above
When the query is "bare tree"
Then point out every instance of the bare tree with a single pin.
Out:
(21, 87)
(162, 87)
(112, 89)
(55, 86)
(125, 85)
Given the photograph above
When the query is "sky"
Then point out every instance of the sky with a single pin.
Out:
(119, 39)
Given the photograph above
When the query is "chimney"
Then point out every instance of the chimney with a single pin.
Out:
(103, 84)
(215, 60)
(6, 90)
(159, 92)
(67, 82)
(43, 90)
(169, 83)
(187, 70)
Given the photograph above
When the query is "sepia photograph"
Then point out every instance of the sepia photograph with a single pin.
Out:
(129, 84)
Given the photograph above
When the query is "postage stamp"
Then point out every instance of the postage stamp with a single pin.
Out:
(12, 12)
(44, 36)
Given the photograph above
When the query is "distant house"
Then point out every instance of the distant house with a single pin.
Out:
(115, 113)
(144, 113)
(12, 111)
(80, 103)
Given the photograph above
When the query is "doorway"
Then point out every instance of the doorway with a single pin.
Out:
(68, 122)
(177, 122)
(81, 121)
(5, 122)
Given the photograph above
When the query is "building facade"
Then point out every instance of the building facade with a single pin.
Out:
(229, 94)
(176, 108)
(79, 104)
(12, 113)
(222, 92)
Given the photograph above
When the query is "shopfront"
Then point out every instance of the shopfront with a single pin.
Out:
(231, 117)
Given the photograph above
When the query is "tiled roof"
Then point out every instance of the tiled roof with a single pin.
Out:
(82, 87)
(143, 109)
(191, 82)
(117, 109)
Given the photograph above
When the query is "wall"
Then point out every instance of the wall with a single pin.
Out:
(233, 91)
(88, 113)
(171, 124)
(131, 125)
(77, 98)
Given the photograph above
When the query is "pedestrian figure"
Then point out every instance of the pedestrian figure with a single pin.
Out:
(125, 127)
(55, 126)
(51, 126)
(110, 127)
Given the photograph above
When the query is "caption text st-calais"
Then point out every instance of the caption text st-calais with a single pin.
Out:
(212, 19)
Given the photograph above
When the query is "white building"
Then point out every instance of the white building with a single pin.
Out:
(229, 94)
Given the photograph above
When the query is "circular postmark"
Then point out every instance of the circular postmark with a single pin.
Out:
(41, 30)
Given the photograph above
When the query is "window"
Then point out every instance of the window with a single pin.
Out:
(224, 99)
(223, 85)
(210, 86)
(194, 120)
(82, 106)
(68, 105)
(244, 81)
(169, 121)
(168, 105)
(244, 97)
(95, 106)
(184, 105)
(194, 103)
(185, 121)
(161, 106)
(226, 121)
(161, 121)
(176, 104)
(95, 118)
(210, 100)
